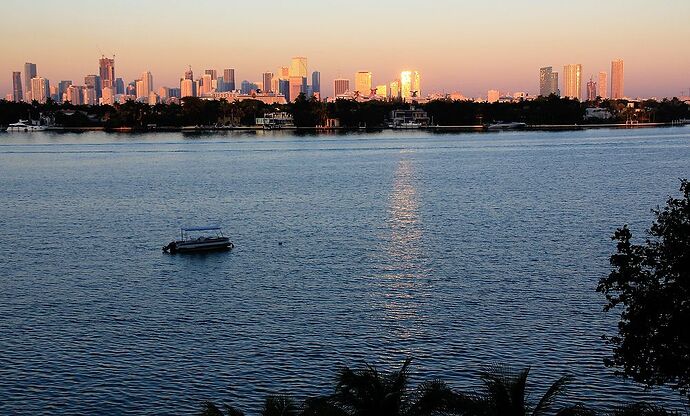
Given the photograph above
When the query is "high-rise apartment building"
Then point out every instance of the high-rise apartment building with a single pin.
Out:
(267, 81)
(90, 96)
(340, 86)
(74, 95)
(297, 86)
(106, 68)
(410, 85)
(229, 79)
(572, 81)
(119, 86)
(548, 82)
(395, 89)
(187, 88)
(617, 79)
(363, 82)
(591, 89)
(62, 90)
(382, 91)
(93, 81)
(147, 81)
(17, 94)
(493, 96)
(602, 85)
(213, 73)
(40, 89)
(29, 74)
(298, 67)
(316, 82)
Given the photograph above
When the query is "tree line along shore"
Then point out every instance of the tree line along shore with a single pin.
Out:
(542, 113)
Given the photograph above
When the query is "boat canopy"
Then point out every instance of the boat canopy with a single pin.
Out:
(204, 228)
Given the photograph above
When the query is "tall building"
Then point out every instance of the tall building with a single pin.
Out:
(89, 96)
(188, 74)
(297, 86)
(548, 82)
(284, 88)
(298, 67)
(213, 73)
(617, 79)
(40, 89)
(62, 90)
(17, 94)
(93, 81)
(340, 86)
(410, 85)
(74, 95)
(267, 81)
(229, 79)
(591, 89)
(205, 84)
(572, 81)
(363, 82)
(147, 81)
(107, 71)
(395, 89)
(316, 82)
(29, 74)
(187, 88)
(493, 96)
(119, 86)
(284, 72)
(603, 85)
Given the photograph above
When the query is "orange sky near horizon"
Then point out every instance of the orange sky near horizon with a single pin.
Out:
(456, 45)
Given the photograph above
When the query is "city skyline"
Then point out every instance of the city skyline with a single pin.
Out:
(461, 54)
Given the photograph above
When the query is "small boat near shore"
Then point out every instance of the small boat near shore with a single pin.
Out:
(507, 126)
(199, 239)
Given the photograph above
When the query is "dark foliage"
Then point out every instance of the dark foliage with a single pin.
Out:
(651, 283)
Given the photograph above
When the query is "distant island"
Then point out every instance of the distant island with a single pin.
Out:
(304, 113)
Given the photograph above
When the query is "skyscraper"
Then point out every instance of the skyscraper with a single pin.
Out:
(62, 89)
(205, 84)
(188, 74)
(17, 87)
(395, 89)
(548, 82)
(572, 82)
(40, 89)
(340, 86)
(284, 88)
(229, 79)
(93, 81)
(213, 73)
(107, 71)
(267, 79)
(363, 82)
(29, 74)
(603, 85)
(316, 82)
(591, 89)
(617, 79)
(296, 86)
(147, 83)
(298, 67)
(410, 85)
(186, 88)
(119, 86)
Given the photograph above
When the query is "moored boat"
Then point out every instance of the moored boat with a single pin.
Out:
(198, 239)
(22, 126)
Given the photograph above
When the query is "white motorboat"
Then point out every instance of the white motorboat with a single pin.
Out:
(24, 126)
(507, 126)
(196, 239)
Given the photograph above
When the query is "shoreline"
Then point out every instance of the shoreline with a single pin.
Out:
(466, 128)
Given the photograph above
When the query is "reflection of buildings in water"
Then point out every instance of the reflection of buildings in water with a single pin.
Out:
(403, 264)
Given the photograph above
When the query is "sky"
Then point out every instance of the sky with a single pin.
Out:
(465, 46)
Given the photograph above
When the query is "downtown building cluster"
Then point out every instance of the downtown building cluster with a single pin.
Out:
(573, 82)
(280, 87)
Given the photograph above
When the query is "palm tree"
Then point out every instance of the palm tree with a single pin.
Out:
(281, 405)
(506, 395)
(211, 409)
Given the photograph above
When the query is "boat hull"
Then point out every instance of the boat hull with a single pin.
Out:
(199, 245)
